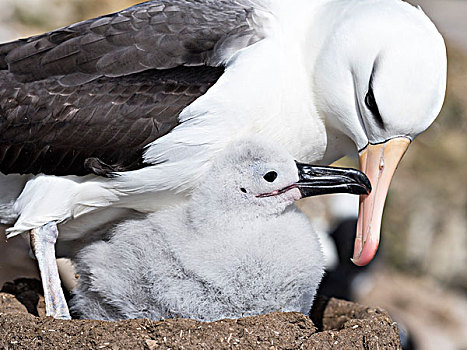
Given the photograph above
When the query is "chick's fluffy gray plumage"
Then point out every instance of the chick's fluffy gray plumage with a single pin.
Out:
(207, 260)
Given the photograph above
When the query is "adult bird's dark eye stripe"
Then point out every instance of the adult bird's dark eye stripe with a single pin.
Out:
(371, 104)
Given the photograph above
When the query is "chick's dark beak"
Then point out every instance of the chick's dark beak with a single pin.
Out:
(317, 180)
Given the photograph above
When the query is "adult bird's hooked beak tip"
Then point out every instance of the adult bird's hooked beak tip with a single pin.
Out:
(378, 162)
(318, 180)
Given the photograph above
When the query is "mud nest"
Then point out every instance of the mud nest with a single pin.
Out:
(333, 324)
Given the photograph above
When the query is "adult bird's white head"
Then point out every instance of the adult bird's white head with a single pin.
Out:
(381, 82)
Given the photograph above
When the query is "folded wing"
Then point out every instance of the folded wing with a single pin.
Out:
(89, 97)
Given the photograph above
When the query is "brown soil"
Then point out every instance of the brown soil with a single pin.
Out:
(337, 325)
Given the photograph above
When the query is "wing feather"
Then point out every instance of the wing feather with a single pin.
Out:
(43, 123)
(89, 97)
(159, 34)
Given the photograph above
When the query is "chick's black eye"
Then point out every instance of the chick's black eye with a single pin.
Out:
(270, 176)
(243, 190)
(371, 104)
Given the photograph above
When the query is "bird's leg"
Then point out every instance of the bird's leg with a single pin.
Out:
(43, 245)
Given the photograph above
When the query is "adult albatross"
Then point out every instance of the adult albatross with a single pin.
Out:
(133, 106)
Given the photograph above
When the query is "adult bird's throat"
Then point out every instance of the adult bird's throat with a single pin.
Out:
(378, 162)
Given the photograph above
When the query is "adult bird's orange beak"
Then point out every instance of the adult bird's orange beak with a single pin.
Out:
(378, 162)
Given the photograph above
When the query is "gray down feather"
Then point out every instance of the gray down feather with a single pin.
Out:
(225, 254)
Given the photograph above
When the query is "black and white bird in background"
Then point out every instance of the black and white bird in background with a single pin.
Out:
(126, 111)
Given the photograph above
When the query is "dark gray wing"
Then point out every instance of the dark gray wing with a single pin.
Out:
(89, 97)
(100, 127)
(152, 35)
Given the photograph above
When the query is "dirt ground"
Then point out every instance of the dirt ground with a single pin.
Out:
(336, 324)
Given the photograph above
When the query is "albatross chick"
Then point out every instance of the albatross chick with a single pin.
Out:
(237, 248)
